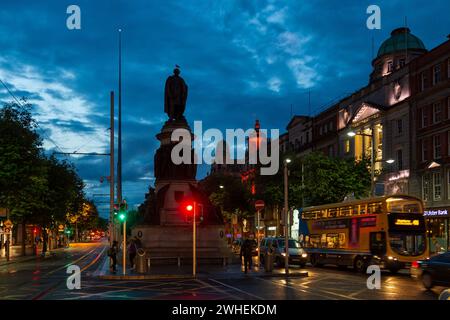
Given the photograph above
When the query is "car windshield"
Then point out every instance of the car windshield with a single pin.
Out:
(292, 244)
(407, 244)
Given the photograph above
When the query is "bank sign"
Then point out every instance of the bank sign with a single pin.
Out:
(435, 213)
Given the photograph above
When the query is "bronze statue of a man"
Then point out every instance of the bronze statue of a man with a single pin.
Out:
(175, 95)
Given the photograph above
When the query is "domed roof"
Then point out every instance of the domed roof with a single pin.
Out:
(401, 39)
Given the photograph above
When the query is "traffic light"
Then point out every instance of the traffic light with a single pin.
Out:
(187, 208)
(122, 212)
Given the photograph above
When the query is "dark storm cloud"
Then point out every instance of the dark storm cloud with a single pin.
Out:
(243, 60)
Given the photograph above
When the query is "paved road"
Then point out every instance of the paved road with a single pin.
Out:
(36, 278)
(46, 279)
(322, 284)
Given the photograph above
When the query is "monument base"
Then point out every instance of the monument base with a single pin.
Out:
(165, 244)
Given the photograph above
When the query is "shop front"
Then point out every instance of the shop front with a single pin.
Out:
(438, 229)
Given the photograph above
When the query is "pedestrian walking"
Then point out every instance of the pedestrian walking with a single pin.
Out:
(138, 242)
(132, 249)
(112, 254)
(246, 252)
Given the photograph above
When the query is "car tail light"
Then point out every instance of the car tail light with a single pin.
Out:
(415, 264)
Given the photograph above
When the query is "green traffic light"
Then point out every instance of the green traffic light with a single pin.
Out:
(122, 216)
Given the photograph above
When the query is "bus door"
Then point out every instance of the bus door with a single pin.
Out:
(378, 243)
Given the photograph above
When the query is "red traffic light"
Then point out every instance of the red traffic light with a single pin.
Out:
(189, 207)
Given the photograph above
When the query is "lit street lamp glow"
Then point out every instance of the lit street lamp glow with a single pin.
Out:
(351, 133)
(288, 160)
(390, 161)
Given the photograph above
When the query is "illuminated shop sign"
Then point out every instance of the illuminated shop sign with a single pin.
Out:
(401, 175)
(434, 213)
(407, 222)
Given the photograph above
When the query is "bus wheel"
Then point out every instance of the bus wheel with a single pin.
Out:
(360, 265)
(427, 281)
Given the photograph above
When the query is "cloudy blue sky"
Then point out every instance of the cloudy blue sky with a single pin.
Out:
(243, 60)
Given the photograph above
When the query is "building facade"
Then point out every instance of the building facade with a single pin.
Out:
(403, 117)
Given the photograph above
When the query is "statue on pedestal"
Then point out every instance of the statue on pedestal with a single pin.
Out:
(175, 96)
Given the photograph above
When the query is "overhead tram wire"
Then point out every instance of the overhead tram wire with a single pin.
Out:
(61, 152)
(35, 121)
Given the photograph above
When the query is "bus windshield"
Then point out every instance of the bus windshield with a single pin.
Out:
(407, 244)
(402, 205)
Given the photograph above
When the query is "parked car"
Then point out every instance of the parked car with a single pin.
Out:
(433, 271)
(297, 255)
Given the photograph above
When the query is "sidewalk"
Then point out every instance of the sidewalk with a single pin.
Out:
(15, 255)
(167, 272)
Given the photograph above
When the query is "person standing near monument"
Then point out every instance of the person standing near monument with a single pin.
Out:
(132, 249)
(246, 252)
(112, 253)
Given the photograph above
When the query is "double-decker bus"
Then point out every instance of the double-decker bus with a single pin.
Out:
(388, 231)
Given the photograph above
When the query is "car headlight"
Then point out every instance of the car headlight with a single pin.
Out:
(304, 255)
(283, 254)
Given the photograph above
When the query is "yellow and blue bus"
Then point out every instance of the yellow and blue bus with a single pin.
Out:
(388, 231)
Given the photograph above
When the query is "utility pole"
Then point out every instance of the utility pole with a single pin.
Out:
(194, 242)
(112, 235)
(286, 210)
(119, 147)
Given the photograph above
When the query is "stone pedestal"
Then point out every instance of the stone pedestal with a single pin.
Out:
(172, 237)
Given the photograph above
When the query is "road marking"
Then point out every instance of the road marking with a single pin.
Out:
(218, 290)
(313, 293)
(239, 290)
(49, 289)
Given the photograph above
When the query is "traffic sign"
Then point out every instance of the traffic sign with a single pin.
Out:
(259, 205)
(7, 230)
(61, 228)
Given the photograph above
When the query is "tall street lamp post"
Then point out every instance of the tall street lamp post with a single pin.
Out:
(286, 226)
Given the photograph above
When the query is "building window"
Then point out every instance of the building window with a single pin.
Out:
(307, 137)
(448, 107)
(437, 146)
(400, 126)
(425, 187)
(424, 117)
(401, 63)
(437, 186)
(423, 81)
(448, 184)
(424, 150)
(437, 112)
(400, 159)
(390, 66)
(331, 151)
(448, 143)
(448, 68)
(331, 126)
(436, 74)
(347, 146)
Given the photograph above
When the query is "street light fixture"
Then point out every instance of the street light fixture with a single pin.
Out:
(390, 161)
(221, 186)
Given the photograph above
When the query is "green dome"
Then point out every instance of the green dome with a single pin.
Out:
(400, 39)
